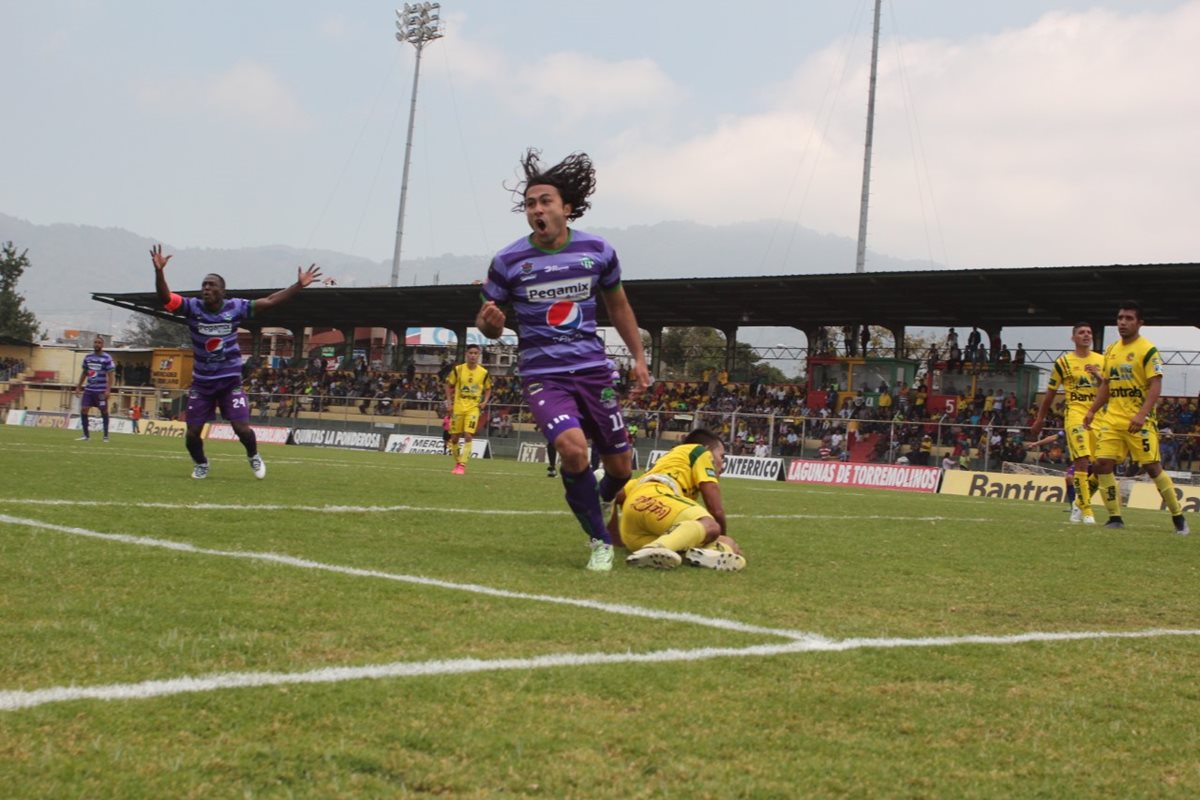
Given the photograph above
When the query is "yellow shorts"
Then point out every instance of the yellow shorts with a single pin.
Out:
(1115, 442)
(464, 422)
(1081, 441)
(652, 510)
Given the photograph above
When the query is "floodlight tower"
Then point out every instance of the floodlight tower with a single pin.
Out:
(860, 262)
(418, 24)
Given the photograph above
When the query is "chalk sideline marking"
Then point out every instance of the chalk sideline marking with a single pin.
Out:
(337, 509)
(15, 700)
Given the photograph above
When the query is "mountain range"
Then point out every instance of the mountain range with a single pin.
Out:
(68, 262)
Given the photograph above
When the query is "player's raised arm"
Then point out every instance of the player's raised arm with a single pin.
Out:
(303, 279)
(160, 280)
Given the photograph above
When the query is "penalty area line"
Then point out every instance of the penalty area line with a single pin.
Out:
(14, 700)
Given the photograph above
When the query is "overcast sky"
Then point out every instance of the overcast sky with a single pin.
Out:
(1014, 133)
(1009, 133)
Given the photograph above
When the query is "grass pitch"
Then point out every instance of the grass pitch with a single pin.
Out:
(365, 624)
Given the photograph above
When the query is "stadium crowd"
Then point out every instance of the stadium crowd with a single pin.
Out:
(10, 368)
(755, 418)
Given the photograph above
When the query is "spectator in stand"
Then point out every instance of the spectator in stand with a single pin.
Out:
(981, 358)
(926, 450)
(1004, 359)
(954, 359)
(1019, 356)
(974, 339)
(864, 339)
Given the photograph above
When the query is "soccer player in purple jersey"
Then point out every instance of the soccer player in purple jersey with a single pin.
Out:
(217, 372)
(551, 279)
(95, 381)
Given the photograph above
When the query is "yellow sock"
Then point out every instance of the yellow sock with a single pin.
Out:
(1166, 487)
(1109, 493)
(461, 453)
(682, 536)
(1083, 495)
(454, 448)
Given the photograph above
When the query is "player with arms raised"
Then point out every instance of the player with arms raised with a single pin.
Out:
(213, 320)
(552, 279)
(1078, 374)
(1132, 383)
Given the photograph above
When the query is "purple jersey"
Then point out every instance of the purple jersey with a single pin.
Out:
(214, 337)
(554, 296)
(96, 367)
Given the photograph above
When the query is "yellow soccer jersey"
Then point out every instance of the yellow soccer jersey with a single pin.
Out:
(469, 386)
(1078, 387)
(686, 466)
(1129, 368)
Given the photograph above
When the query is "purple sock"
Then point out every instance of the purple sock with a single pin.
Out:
(610, 485)
(585, 502)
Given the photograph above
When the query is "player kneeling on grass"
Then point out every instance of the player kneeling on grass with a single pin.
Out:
(660, 517)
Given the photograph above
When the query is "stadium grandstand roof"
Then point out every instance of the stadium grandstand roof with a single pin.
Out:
(988, 298)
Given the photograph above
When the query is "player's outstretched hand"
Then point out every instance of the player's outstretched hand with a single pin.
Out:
(641, 380)
(305, 277)
(157, 257)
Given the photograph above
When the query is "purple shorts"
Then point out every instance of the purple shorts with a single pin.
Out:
(92, 399)
(225, 394)
(586, 400)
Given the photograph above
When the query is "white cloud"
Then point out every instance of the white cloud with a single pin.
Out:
(246, 92)
(576, 87)
(1069, 141)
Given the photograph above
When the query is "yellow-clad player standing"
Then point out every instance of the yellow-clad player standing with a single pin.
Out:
(468, 389)
(661, 516)
(1078, 374)
(1133, 373)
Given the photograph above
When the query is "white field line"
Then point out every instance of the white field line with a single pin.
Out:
(291, 561)
(185, 461)
(327, 509)
(338, 509)
(18, 699)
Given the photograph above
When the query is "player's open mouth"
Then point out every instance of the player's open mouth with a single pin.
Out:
(540, 224)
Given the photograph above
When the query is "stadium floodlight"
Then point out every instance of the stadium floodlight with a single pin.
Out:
(418, 24)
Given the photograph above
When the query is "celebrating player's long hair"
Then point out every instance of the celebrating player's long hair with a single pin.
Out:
(574, 177)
